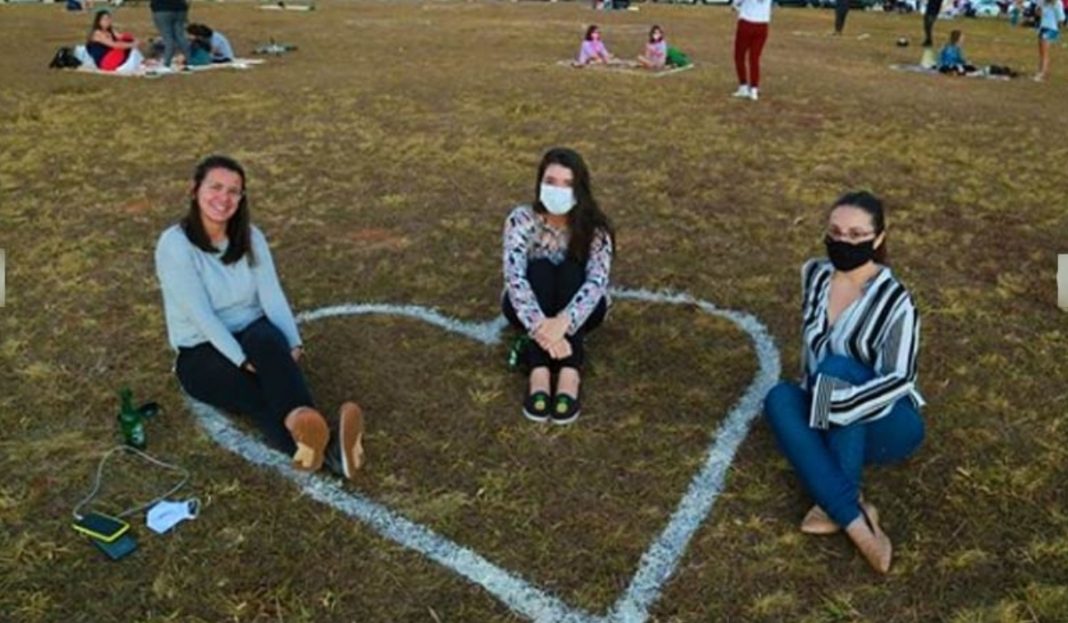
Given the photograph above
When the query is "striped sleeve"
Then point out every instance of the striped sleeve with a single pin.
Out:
(808, 311)
(837, 402)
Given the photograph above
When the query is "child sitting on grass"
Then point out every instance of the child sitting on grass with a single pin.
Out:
(655, 56)
(593, 50)
(951, 58)
(209, 46)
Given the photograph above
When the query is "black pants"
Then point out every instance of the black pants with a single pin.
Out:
(277, 387)
(841, 10)
(930, 16)
(554, 285)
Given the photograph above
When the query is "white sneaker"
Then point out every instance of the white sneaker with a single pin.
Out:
(743, 91)
(753, 94)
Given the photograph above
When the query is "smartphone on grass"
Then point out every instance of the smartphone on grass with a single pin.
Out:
(103, 528)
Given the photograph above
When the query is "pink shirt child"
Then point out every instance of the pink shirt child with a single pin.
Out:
(592, 49)
(656, 52)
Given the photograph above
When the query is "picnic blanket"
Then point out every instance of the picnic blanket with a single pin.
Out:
(282, 6)
(626, 67)
(930, 71)
(158, 71)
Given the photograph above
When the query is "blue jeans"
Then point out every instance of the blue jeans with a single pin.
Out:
(171, 26)
(829, 462)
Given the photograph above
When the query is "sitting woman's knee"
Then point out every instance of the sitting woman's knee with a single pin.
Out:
(782, 394)
(263, 334)
(540, 268)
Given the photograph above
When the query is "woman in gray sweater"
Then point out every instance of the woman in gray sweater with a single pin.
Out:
(237, 341)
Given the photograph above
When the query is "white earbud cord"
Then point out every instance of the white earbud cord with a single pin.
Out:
(130, 511)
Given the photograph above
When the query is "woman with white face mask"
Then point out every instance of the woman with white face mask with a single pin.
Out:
(557, 258)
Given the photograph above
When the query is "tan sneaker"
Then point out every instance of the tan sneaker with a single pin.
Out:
(344, 453)
(310, 433)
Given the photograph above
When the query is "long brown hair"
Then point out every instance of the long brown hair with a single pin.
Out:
(238, 228)
(586, 218)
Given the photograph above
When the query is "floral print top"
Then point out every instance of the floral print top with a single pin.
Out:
(528, 237)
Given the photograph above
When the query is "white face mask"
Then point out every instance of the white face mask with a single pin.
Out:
(167, 514)
(557, 200)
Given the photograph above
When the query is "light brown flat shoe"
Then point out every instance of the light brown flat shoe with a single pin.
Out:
(819, 523)
(350, 438)
(310, 433)
(872, 542)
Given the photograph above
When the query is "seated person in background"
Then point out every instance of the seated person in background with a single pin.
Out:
(593, 49)
(213, 46)
(110, 51)
(655, 56)
(951, 58)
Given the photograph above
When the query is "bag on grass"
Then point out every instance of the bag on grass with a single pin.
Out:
(676, 58)
(64, 59)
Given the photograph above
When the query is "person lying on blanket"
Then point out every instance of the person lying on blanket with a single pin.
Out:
(208, 46)
(593, 50)
(111, 51)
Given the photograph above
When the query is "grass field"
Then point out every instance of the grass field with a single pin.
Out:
(383, 156)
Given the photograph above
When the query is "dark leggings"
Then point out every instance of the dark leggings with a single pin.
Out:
(841, 10)
(554, 285)
(277, 387)
(930, 16)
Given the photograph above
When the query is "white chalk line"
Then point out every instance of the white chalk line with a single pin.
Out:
(657, 564)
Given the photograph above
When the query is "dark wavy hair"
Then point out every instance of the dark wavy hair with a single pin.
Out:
(238, 228)
(96, 23)
(866, 201)
(586, 218)
(654, 29)
(589, 32)
(200, 31)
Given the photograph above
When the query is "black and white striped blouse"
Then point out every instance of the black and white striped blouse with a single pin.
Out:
(881, 330)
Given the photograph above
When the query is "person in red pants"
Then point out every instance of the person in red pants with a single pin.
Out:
(749, 38)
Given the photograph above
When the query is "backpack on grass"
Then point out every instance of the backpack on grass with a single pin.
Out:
(676, 58)
(64, 58)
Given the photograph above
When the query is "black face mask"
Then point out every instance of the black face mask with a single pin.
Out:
(845, 257)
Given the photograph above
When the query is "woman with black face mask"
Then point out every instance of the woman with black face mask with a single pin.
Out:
(857, 401)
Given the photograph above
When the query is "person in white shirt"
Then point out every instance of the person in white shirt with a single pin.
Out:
(237, 341)
(749, 39)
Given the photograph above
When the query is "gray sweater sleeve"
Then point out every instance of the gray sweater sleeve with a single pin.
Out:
(183, 289)
(272, 299)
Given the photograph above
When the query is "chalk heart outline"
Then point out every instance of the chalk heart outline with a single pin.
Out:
(659, 561)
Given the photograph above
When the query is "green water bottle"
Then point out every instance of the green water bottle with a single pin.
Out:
(515, 353)
(130, 421)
